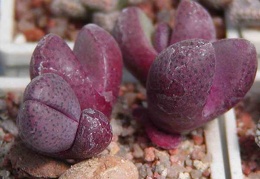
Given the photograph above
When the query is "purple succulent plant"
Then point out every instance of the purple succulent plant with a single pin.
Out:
(141, 42)
(191, 78)
(67, 105)
(93, 68)
(194, 81)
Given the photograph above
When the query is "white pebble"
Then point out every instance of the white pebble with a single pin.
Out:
(19, 39)
(137, 151)
(184, 175)
(196, 174)
(257, 132)
(4, 174)
(164, 172)
(200, 165)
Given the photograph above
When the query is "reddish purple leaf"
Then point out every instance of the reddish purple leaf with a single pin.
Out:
(236, 67)
(192, 21)
(101, 59)
(178, 85)
(133, 33)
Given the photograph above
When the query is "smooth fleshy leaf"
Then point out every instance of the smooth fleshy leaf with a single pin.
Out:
(101, 59)
(192, 21)
(179, 83)
(236, 67)
(133, 32)
(53, 55)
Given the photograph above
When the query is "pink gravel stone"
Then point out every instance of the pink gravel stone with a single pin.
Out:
(198, 140)
(149, 154)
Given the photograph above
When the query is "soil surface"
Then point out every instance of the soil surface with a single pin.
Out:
(247, 114)
(189, 160)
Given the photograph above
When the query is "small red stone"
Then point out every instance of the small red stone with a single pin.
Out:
(141, 96)
(149, 154)
(206, 173)
(174, 159)
(34, 34)
(247, 120)
(173, 151)
(37, 3)
(8, 137)
(246, 169)
(156, 175)
(198, 140)
(147, 7)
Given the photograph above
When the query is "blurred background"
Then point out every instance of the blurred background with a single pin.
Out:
(25, 22)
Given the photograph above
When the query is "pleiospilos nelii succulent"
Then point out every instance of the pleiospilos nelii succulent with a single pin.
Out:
(190, 77)
(140, 42)
(194, 81)
(67, 105)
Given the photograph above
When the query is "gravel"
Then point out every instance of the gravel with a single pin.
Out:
(35, 18)
(189, 160)
(246, 112)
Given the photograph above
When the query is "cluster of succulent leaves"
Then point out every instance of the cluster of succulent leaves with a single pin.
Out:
(190, 78)
(67, 105)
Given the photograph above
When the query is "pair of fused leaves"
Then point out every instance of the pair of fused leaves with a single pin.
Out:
(140, 42)
(190, 77)
(194, 81)
(69, 100)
